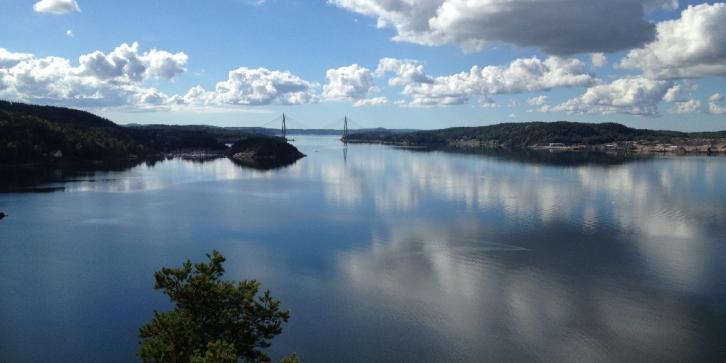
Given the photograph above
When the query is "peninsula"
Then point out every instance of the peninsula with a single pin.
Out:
(559, 136)
(33, 134)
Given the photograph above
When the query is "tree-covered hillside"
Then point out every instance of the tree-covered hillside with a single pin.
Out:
(39, 134)
(519, 135)
(29, 136)
(32, 133)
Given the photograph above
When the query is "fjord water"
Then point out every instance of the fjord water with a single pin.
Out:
(384, 255)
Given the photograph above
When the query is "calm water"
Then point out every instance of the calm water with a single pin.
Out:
(387, 255)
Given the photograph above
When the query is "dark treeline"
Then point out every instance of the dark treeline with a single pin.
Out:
(520, 135)
(33, 134)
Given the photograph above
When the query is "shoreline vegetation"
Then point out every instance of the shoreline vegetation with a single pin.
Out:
(562, 136)
(46, 135)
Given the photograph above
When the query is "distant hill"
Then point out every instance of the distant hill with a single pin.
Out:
(30, 133)
(522, 135)
(59, 115)
(36, 134)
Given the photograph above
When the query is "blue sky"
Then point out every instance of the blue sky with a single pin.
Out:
(248, 61)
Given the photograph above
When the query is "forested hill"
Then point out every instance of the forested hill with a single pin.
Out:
(32, 134)
(59, 115)
(520, 135)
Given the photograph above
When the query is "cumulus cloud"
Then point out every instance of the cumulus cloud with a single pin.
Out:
(691, 46)
(126, 63)
(162, 64)
(116, 79)
(99, 80)
(599, 60)
(56, 6)
(677, 93)
(9, 59)
(631, 95)
(52, 80)
(521, 75)
(405, 71)
(713, 104)
(348, 83)
(687, 106)
(538, 101)
(254, 87)
(681, 95)
(524, 23)
(368, 102)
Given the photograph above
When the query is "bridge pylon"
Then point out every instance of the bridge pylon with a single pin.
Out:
(284, 127)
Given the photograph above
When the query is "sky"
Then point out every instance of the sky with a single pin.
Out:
(422, 64)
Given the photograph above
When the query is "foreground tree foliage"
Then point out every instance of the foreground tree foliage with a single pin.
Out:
(214, 320)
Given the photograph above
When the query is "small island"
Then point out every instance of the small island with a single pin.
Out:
(263, 152)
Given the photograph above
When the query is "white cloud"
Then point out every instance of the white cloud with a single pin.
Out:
(117, 80)
(632, 95)
(521, 75)
(69, 33)
(405, 71)
(126, 63)
(9, 59)
(599, 60)
(687, 106)
(689, 47)
(677, 93)
(348, 83)
(473, 24)
(261, 86)
(713, 106)
(538, 101)
(56, 6)
(113, 80)
(367, 102)
(52, 80)
(162, 64)
(681, 95)
(487, 102)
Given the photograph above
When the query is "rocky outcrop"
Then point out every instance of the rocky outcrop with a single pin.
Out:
(263, 152)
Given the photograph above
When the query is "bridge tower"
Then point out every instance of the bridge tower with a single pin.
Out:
(345, 140)
(345, 127)
(284, 127)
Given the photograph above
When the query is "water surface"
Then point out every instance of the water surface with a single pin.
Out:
(383, 255)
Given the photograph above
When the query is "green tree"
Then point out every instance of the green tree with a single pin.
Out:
(213, 320)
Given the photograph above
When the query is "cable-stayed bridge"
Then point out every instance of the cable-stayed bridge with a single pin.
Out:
(288, 125)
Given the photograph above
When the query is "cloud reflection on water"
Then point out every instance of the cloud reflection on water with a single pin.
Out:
(630, 207)
(393, 253)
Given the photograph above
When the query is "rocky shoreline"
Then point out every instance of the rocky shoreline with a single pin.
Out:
(264, 152)
(675, 147)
